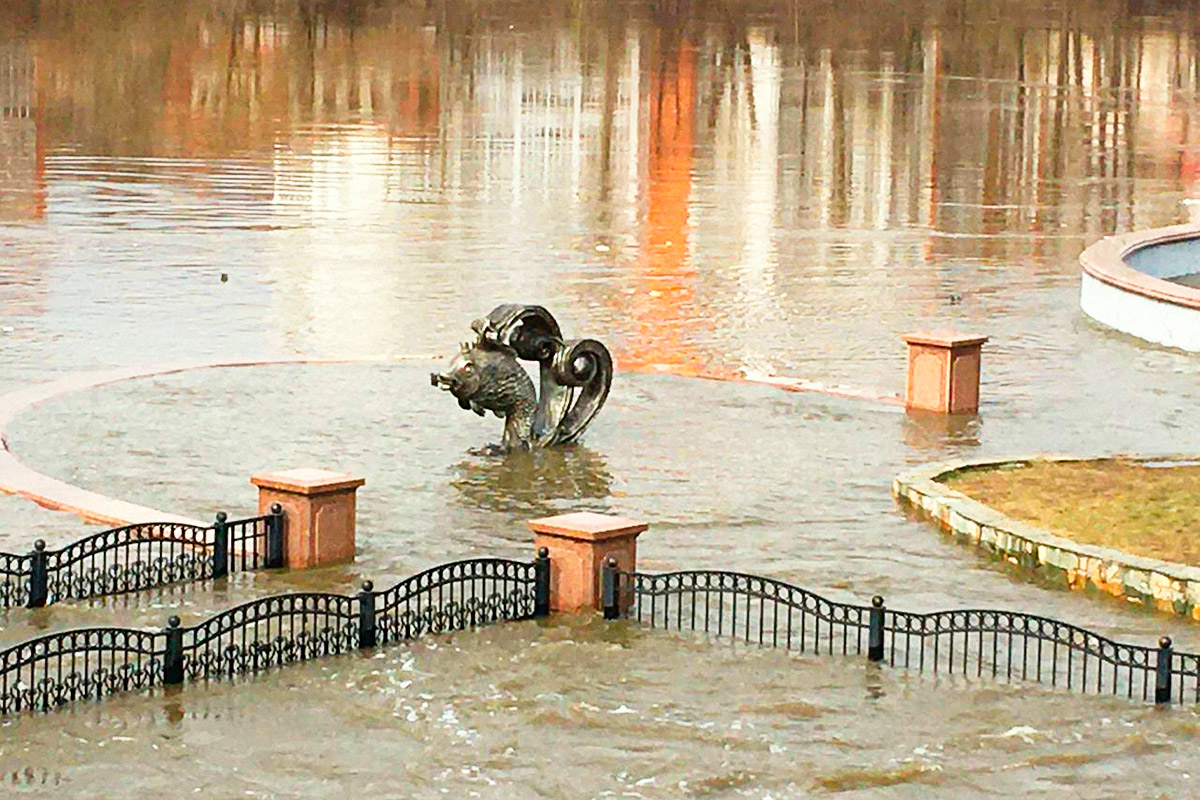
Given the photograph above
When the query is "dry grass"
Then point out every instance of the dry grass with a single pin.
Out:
(1114, 503)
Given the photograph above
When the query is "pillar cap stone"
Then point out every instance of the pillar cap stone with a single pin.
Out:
(307, 481)
(944, 338)
(586, 526)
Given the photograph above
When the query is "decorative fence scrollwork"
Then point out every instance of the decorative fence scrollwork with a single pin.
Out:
(61, 668)
(15, 571)
(270, 632)
(137, 557)
(463, 594)
(997, 645)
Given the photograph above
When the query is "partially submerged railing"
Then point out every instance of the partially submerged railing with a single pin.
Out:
(1000, 645)
(274, 631)
(61, 668)
(142, 556)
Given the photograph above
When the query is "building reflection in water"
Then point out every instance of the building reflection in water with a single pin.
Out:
(22, 135)
(661, 307)
(696, 182)
(22, 178)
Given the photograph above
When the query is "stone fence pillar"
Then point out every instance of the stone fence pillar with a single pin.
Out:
(578, 544)
(318, 509)
(943, 372)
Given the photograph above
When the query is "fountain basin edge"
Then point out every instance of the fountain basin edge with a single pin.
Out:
(1121, 296)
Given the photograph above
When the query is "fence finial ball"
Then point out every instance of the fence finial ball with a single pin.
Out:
(222, 516)
(173, 621)
(39, 545)
(543, 552)
(877, 601)
(368, 586)
(1164, 642)
(276, 508)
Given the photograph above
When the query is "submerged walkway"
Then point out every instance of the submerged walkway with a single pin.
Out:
(18, 478)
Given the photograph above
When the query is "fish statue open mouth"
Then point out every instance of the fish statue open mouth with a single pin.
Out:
(486, 375)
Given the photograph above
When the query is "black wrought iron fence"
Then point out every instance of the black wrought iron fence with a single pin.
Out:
(463, 594)
(61, 668)
(142, 556)
(254, 543)
(997, 645)
(263, 633)
(75, 665)
(15, 572)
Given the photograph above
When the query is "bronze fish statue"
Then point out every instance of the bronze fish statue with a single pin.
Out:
(491, 379)
(486, 375)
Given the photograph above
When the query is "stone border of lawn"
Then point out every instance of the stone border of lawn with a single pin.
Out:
(1166, 585)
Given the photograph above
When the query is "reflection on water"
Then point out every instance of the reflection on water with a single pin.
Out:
(933, 432)
(708, 187)
(700, 182)
(536, 482)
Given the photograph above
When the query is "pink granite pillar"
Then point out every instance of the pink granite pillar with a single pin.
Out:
(319, 511)
(578, 545)
(943, 372)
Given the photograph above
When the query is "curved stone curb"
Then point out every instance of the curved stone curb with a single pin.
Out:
(17, 478)
(1116, 294)
(815, 387)
(1166, 585)
(781, 382)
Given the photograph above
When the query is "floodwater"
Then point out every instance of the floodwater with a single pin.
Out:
(734, 189)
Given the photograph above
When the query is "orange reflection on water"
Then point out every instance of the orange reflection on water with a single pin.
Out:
(662, 313)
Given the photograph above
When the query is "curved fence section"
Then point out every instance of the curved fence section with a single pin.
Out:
(129, 559)
(270, 632)
(455, 596)
(137, 557)
(751, 608)
(1014, 646)
(996, 645)
(61, 668)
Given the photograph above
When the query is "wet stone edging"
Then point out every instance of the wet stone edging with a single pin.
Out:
(1165, 585)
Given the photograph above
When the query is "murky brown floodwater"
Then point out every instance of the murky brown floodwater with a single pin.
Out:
(733, 188)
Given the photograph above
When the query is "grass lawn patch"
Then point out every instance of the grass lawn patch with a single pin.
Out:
(1149, 511)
